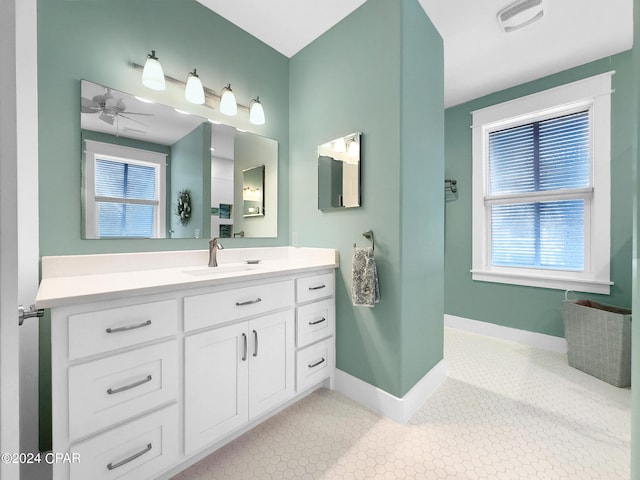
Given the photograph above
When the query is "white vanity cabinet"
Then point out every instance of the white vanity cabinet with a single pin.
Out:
(115, 388)
(145, 385)
(237, 372)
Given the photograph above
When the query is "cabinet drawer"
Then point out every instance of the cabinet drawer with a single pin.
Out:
(314, 364)
(314, 322)
(314, 287)
(105, 330)
(139, 449)
(107, 391)
(210, 309)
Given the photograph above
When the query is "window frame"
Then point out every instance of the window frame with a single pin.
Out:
(594, 95)
(119, 153)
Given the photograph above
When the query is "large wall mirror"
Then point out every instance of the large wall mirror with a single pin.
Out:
(151, 171)
(339, 173)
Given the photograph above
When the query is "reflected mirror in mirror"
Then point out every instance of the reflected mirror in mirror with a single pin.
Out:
(253, 192)
(339, 173)
(147, 169)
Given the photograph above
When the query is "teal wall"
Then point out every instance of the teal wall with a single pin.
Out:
(528, 308)
(97, 41)
(635, 340)
(191, 170)
(352, 79)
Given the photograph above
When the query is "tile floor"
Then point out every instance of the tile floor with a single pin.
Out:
(505, 412)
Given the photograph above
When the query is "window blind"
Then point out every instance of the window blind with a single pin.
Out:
(126, 198)
(538, 160)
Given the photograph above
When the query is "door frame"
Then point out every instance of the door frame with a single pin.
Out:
(9, 345)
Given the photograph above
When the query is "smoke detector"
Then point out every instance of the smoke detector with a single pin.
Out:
(519, 14)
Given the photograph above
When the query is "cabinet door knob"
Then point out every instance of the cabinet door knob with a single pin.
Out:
(128, 327)
(255, 338)
(113, 466)
(111, 391)
(248, 302)
(311, 365)
(244, 340)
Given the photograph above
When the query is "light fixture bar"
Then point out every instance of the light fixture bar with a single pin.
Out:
(207, 91)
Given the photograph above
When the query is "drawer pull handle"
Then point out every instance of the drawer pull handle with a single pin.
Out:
(244, 340)
(129, 327)
(113, 466)
(248, 302)
(111, 391)
(319, 287)
(312, 365)
(255, 337)
(318, 321)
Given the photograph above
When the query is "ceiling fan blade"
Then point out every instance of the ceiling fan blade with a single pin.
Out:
(88, 106)
(137, 113)
(107, 118)
(132, 119)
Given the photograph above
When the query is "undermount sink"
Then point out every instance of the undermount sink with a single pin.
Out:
(219, 270)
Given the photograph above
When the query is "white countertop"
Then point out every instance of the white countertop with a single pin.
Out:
(68, 280)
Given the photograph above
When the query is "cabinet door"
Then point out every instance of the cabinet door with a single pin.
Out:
(216, 380)
(271, 367)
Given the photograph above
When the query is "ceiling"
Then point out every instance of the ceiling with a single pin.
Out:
(479, 57)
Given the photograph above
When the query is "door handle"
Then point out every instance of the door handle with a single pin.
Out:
(33, 312)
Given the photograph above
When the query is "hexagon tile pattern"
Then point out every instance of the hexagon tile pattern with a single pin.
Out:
(506, 412)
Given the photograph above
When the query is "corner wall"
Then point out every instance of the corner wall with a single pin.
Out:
(367, 74)
(529, 308)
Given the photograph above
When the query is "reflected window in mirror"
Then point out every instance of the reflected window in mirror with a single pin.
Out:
(124, 192)
(339, 173)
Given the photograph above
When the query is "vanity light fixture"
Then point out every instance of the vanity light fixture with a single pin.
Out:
(519, 14)
(152, 74)
(256, 112)
(193, 91)
(339, 146)
(228, 105)
(196, 92)
(353, 148)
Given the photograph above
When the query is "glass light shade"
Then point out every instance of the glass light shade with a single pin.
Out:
(256, 112)
(194, 92)
(339, 146)
(228, 105)
(152, 74)
(354, 149)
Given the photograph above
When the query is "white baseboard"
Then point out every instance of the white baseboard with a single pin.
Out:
(399, 410)
(532, 339)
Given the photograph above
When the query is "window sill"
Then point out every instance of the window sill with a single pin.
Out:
(544, 281)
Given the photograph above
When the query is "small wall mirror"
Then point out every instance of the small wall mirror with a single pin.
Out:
(150, 171)
(253, 192)
(339, 173)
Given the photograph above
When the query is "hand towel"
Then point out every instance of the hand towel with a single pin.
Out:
(365, 290)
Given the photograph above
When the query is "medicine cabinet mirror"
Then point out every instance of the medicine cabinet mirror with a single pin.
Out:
(147, 168)
(339, 173)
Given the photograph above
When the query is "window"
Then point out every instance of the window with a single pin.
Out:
(541, 193)
(124, 192)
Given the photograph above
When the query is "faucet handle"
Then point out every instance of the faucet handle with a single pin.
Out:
(214, 243)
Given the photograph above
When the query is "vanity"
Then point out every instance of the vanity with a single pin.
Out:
(158, 360)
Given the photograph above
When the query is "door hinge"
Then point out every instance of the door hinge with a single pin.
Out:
(33, 312)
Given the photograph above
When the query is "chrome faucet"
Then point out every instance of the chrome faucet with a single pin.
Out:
(214, 246)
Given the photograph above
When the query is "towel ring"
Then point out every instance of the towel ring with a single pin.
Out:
(369, 235)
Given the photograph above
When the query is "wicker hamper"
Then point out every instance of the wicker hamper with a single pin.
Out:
(599, 340)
